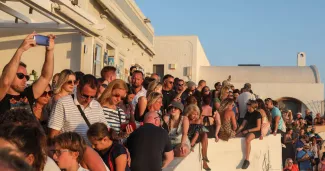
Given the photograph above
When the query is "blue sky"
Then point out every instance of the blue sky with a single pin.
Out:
(232, 32)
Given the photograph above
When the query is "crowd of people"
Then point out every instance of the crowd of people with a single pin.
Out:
(74, 121)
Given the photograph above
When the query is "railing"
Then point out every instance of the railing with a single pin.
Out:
(266, 155)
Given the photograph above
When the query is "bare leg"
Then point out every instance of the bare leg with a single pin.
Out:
(204, 142)
(248, 140)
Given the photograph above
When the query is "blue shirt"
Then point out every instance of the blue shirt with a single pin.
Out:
(305, 165)
(276, 112)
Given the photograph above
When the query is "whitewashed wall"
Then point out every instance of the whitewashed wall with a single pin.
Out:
(266, 155)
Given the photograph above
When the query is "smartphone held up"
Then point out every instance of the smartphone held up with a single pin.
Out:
(41, 40)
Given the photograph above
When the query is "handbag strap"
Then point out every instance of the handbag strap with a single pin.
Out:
(82, 113)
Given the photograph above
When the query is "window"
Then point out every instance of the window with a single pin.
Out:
(97, 60)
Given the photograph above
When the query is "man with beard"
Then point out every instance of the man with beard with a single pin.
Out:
(138, 89)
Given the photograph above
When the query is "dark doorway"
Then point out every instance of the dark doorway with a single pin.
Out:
(159, 69)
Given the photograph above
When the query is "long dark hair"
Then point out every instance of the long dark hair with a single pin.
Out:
(261, 105)
(29, 139)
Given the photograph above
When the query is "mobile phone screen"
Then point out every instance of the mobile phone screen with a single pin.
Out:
(41, 40)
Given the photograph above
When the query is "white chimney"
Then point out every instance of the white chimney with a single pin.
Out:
(301, 59)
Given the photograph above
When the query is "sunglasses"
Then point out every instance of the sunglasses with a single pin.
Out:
(87, 97)
(47, 93)
(180, 85)
(21, 76)
(72, 82)
(248, 104)
(170, 82)
(104, 85)
(59, 152)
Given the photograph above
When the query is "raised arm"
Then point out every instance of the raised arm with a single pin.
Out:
(142, 104)
(10, 70)
(47, 71)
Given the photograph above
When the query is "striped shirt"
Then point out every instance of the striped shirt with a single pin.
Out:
(113, 118)
(65, 116)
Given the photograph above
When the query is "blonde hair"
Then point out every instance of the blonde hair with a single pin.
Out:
(287, 162)
(191, 108)
(116, 84)
(223, 91)
(63, 78)
(224, 105)
(153, 86)
(153, 97)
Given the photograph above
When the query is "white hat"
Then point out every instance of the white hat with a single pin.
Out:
(299, 113)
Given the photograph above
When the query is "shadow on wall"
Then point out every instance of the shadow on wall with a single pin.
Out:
(74, 38)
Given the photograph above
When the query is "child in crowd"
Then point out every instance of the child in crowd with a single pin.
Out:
(197, 132)
(68, 152)
(113, 154)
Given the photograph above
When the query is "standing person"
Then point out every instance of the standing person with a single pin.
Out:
(65, 85)
(202, 83)
(243, 99)
(190, 91)
(150, 143)
(139, 91)
(40, 108)
(155, 76)
(250, 128)
(108, 73)
(68, 152)
(132, 69)
(289, 141)
(277, 121)
(168, 92)
(115, 116)
(67, 113)
(308, 117)
(13, 91)
(55, 80)
(154, 105)
(113, 154)
(216, 91)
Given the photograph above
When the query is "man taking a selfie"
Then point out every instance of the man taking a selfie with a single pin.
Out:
(13, 91)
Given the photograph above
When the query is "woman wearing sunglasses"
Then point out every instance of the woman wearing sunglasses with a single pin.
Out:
(114, 115)
(250, 128)
(40, 108)
(65, 84)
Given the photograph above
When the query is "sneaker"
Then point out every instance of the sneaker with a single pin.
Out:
(245, 164)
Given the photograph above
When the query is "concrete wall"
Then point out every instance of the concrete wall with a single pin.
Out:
(265, 155)
(184, 51)
(66, 54)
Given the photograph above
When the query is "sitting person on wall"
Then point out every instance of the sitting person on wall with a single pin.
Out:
(321, 165)
(197, 132)
(177, 126)
(250, 128)
(228, 120)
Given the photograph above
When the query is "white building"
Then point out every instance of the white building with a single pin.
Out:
(181, 56)
(298, 87)
(90, 34)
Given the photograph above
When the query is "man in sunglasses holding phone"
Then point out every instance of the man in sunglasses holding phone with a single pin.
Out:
(13, 91)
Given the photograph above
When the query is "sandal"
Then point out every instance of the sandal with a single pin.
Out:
(206, 159)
